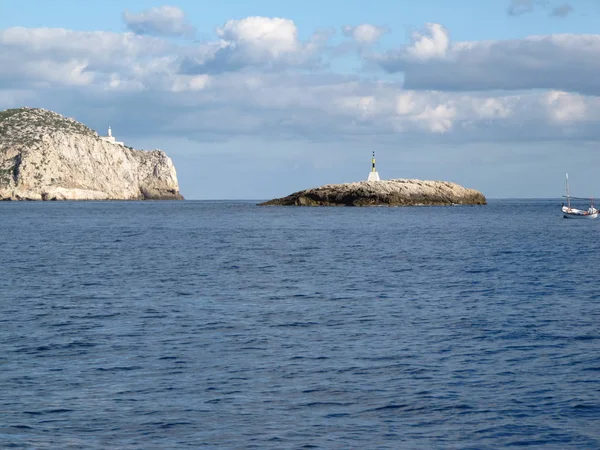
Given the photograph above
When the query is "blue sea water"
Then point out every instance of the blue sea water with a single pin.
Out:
(150, 325)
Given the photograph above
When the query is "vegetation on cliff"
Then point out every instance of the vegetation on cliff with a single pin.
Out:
(25, 126)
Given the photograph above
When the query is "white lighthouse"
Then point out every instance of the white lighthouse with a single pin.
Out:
(110, 138)
(373, 175)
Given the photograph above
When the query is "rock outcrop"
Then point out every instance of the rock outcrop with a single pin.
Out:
(46, 156)
(400, 192)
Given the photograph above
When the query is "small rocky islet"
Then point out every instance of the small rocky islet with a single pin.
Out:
(46, 156)
(396, 192)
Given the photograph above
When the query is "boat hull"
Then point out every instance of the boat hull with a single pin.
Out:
(572, 213)
(580, 216)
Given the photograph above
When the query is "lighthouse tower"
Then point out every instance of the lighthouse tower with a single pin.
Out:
(373, 175)
(110, 138)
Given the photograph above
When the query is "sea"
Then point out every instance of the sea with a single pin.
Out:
(223, 324)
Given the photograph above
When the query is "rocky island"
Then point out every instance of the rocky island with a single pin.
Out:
(399, 192)
(46, 156)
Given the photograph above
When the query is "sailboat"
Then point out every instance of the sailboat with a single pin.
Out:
(573, 213)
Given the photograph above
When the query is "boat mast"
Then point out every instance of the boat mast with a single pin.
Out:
(568, 194)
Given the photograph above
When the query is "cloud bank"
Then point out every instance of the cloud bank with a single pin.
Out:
(431, 61)
(257, 77)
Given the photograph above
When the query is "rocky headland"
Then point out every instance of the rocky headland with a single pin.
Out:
(46, 156)
(399, 192)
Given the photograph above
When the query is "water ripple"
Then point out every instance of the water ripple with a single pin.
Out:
(224, 325)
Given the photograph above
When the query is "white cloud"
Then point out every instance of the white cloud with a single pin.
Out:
(183, 83)
(438, 119)
(405, 103)
(564, 107)
(432, 44)
(492, 108)
(270, 43)
(98, 59)
(159, 21)
(262, 35)
(57, 42)
(568, 62)
(365, 33)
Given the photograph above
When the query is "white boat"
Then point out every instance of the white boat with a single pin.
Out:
(574, 213)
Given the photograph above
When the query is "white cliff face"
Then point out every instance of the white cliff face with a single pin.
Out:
(45, 156)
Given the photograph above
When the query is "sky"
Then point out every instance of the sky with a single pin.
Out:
(255, 100)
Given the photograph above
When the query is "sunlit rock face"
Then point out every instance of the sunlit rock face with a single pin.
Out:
(400, 192)
(46, 156)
